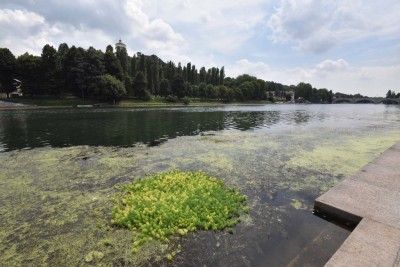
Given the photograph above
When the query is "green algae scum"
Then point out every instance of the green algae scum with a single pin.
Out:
(176, 202)
(87, 204)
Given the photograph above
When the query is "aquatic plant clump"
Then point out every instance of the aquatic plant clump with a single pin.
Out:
(176, 202)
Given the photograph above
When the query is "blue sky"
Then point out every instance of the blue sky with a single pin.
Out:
(348, 46)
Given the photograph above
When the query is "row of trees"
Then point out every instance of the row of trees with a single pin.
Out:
(111, 75)
(392, 94)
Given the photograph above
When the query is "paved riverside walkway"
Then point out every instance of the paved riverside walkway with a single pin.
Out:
(372, 198)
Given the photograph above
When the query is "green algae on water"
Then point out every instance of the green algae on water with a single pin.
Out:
(176, 202)
(344, 157)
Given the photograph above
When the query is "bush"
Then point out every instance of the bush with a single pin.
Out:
(147, 96)
(186, 100)
(171, 98)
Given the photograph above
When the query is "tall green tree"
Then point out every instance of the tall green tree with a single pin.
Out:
(391, 94)
(142, 63)
(140, 85)
(7, 71)
(178, 86)
(49, 85)
(202, 93)
(74, 68)
(29, 72)
(203, 75)
(113, 66)
(122, 56)
(169, 71)
(221, 76)
(61, 72)
(165, 88)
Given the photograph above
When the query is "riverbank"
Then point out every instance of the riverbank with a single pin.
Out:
(126, 103)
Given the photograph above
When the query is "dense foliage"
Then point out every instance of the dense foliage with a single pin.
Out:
(82, 73)
(177, 202)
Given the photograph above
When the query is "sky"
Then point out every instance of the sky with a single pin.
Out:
(348, 46)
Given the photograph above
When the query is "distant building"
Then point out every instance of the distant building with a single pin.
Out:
(17, 92)
(120, 44)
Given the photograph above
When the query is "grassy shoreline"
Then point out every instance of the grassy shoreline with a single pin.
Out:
(125, 103)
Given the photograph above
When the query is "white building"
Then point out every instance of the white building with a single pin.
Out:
(120, 44)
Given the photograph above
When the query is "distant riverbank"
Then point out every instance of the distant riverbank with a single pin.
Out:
(129, 103)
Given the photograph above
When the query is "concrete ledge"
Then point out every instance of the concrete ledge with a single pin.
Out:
(371, 196)
(371, 244)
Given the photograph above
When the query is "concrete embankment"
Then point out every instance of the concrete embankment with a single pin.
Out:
(371, 199)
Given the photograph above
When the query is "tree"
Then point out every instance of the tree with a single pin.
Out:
(94, 63)
(7, 71)
(304, 90)
(202, 93)
(247, 89)
(107, 87)
(113, 66)
(93, 66)
(109, 48)
(122, 56)
(142, 63)
(154, 75)
(178, 86)
(74, 69)
(391, 94)
(212, 91)
(61, 73)
(48, 77)
(245, 78)
(221, 76)
(29, 72)
(140, 85)
(225, 94)
(165, 88)
(169, 71)
(203, 75)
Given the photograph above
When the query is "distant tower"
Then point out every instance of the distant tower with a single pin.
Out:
(120, 44)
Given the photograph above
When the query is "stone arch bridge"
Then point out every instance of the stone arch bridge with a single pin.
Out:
(372, 100)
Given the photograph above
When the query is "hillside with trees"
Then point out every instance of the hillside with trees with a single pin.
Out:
(113, 75)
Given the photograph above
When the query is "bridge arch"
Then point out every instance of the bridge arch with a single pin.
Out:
(343, 100)
(364, 101)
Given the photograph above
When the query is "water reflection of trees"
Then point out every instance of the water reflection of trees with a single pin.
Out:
(60, 128)
(125, 127)
(265, 119)
(251, 120)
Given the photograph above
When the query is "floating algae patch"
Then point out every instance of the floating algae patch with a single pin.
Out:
(176, 202)
(318, 165)
(343, 157)
(55, 207)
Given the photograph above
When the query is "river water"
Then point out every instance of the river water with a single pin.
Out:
(63, 166)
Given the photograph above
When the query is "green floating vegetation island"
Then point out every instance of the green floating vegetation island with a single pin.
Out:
(176, 202)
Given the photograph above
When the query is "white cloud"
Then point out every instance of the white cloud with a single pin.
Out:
(244, 66)
(332, 65)
(22, 18)
(217, 26)
(316, 26)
